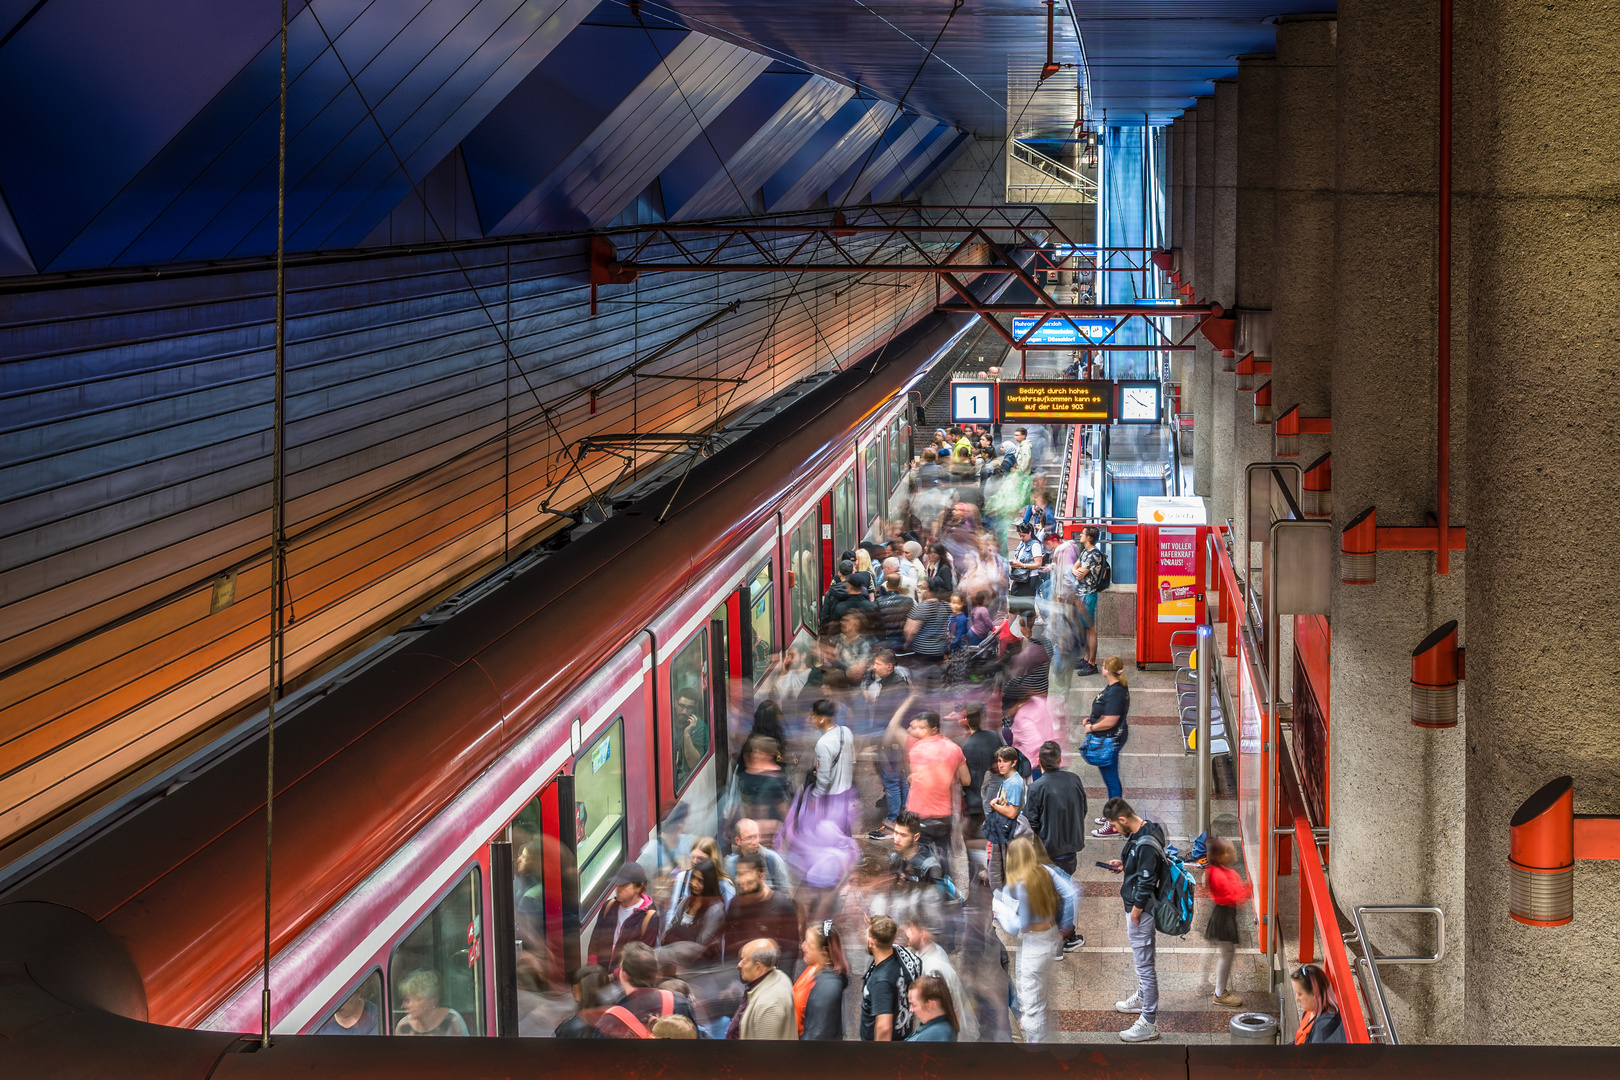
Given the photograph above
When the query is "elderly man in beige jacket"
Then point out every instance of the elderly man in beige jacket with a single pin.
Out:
(767, 1011)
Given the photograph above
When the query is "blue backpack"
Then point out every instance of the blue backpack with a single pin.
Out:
(1173, 896)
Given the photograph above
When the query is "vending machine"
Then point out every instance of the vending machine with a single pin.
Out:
(1170, 535)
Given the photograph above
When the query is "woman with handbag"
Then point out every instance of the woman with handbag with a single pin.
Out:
(1106, 733)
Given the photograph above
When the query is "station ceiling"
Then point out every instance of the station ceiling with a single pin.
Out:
(143, 132)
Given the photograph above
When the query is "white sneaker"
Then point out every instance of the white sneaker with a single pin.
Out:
(1132, 1004)
(1141, 1031)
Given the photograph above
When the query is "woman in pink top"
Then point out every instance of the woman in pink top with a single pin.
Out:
(1032, 724)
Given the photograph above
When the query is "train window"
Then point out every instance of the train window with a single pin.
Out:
(805, 551)
(844, 515)
(529, 897)
(689, 710)
(436, 974)
(874, 483)
(359, 1013)
(599, 812)
(896, 455)
(761, 621)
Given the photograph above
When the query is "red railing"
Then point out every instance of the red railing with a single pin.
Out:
(1269, 795)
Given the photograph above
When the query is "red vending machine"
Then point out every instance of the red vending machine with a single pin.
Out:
(1170, 545)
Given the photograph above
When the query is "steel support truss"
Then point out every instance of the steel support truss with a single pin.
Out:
(952, 243)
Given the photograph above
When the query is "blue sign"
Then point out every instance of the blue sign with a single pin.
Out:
(1060, 331)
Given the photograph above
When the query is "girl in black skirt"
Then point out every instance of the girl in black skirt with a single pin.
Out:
(1227, 890)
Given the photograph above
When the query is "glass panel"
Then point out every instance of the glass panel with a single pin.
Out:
(599, 811)
(806, 554)
(760, 612)
(874, 487)
(534, 964)
(359, 1012)
(436, 975)
(897, 460)
(844, 516)
(689, 709)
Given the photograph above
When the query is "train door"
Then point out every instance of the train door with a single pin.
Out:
(829, 561)
(535, 906)
(846, 525)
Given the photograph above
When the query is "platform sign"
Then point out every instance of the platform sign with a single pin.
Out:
(1057, 402)
(1138, 402)
(1057, 330)
(1170, 553)
(973, 402)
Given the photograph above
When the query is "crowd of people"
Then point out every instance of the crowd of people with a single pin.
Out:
(951, 639)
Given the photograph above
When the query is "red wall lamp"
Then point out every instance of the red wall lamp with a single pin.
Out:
(1247, 368)
(1546, 837)
(1262, 403)
(1437, 668)
(1364, 538)
(1290, 426)
(1316, 488)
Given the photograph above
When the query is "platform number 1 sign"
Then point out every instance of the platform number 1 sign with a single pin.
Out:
(972, 403)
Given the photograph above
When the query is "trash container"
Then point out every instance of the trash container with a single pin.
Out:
(1251, 1028)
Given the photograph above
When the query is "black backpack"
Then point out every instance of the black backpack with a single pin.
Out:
(1105, 576)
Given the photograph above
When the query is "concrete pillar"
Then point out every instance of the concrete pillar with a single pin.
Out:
(1177, 160)
(1397, 802)
(1256, 206)
(1203, 281)
(1183, 213)
(1302, 291)
(1223, 285)
(1537, 150)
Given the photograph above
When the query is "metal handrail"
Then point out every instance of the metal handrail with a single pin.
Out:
(1052, 167)
(1370, 961)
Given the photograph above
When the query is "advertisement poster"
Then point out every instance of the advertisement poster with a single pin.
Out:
(1178, 575)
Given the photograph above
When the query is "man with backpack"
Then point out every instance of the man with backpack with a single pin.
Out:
(1092, 575)
(638, 979)
(1141, 863)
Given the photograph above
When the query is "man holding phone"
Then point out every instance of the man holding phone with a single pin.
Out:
(1139, 863)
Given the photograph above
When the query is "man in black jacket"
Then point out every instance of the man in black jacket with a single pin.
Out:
(1056, 809)
(1139, 863)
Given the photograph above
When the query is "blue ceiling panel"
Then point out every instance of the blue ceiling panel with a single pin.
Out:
(766, 151)
(698, 79)
(813, 182)
(90, 90)
(555, 109)
(815, 148)
(913, 164)
(428, 71)
(897, 145)
(753, 110)
(949, 148)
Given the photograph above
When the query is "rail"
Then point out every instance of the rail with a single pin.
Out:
(1369, 962)
(1315, 896)
(1063, 174)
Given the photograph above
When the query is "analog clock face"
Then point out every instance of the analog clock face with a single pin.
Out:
(1139, 403)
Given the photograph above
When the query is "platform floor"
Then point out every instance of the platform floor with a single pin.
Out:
(1160, 782)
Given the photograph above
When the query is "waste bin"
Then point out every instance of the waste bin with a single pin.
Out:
(1251, 1028)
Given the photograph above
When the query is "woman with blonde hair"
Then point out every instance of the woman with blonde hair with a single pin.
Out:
(1030, 910)
(1106, 733)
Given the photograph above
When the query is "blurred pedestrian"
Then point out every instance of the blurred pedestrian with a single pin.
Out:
(818, 993)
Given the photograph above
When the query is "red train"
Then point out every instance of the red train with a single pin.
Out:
(543, 712)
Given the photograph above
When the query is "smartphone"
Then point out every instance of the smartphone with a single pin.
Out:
(1111, 869)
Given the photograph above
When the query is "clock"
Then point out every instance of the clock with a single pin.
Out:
(1138, 403)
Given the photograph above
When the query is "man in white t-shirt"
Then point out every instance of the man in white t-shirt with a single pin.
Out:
(835, 766)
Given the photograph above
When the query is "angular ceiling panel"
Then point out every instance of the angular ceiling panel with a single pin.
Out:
(91, 90)
(555, 109)
(424, 73)
(638, 139)
(705, 159)
(814, 181)
(914, 165)
(773, 145)
(898, 141)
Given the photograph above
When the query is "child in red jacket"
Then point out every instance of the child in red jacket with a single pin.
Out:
(1227, 890)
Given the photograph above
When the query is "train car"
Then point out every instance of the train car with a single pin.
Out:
(451, 808)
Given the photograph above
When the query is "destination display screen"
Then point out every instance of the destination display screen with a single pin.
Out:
(1054, 402)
